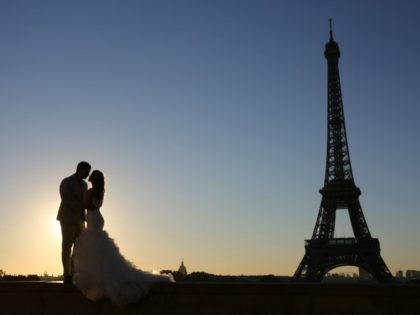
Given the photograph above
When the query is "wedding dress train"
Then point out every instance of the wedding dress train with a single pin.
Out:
(101, 271)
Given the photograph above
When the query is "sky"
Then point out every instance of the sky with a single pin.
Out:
(208, 119)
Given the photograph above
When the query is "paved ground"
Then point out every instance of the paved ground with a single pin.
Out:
(182, 298)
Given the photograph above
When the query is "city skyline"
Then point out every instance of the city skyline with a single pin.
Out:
(209, 121)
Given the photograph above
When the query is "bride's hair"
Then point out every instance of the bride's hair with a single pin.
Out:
(98, 185)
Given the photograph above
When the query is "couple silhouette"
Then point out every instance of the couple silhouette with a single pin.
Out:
(91, 259)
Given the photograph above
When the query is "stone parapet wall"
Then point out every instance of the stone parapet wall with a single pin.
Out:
(42, 298)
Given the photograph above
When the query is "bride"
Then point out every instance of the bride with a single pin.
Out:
(100, 269)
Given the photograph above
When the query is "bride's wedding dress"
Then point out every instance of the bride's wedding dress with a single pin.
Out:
(102, 272)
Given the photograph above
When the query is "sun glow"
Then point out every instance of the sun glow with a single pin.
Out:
(55, 229)
(36, 242)
(46, 219)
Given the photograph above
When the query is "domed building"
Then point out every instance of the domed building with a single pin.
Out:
(182, 270)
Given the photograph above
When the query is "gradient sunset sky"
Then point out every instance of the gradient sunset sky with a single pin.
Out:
(209, 120)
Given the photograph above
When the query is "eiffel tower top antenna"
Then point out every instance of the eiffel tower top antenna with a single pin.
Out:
(331, 32)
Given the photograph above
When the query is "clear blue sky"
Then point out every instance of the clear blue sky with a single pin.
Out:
(209, 121)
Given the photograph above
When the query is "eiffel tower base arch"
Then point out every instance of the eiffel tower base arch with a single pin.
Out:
(323, 255)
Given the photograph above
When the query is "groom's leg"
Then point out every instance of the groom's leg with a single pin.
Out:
(68, 232)
(78, 228)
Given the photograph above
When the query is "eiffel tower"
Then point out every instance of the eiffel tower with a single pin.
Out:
(323, 252)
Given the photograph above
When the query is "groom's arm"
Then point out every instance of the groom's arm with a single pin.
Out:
(69, 198)
(87, 199)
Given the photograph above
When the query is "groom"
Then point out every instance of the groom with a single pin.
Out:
(71, 214)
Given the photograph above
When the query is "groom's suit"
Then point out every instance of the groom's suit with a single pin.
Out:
(71, 215)
(72, 192)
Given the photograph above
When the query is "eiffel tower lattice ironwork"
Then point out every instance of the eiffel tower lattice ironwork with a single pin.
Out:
(323, 252)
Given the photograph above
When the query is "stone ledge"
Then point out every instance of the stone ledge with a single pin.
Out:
(219, 298)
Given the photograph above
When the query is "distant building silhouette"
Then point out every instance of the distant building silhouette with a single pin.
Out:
(182, 269)
(412, 274)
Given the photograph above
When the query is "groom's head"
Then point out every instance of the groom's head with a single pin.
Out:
(83, 169)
